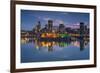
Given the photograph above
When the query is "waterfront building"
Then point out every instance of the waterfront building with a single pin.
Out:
(81, 29)
(50, 25)
(61, 28)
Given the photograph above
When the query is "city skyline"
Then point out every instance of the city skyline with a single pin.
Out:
(52, 36)
(30, 18)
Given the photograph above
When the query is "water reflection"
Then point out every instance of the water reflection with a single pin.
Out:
(50, 45)
(37, 50)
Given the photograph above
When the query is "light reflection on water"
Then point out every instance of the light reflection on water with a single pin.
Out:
(34, 50)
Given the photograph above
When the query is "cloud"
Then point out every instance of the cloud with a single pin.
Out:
(44, 18)
(47, 18)
(39, 17)
(74, 26)
(57, 22)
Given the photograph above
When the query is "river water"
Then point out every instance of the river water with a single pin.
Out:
(33, 50)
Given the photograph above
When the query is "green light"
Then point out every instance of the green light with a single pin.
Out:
(63, 35)
(63, 44)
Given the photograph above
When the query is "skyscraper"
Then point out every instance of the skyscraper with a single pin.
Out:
(50, 25)
(38, 26)
(61, 28)
(81, 29)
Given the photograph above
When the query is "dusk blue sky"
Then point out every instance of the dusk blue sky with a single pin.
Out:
(30, 18)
